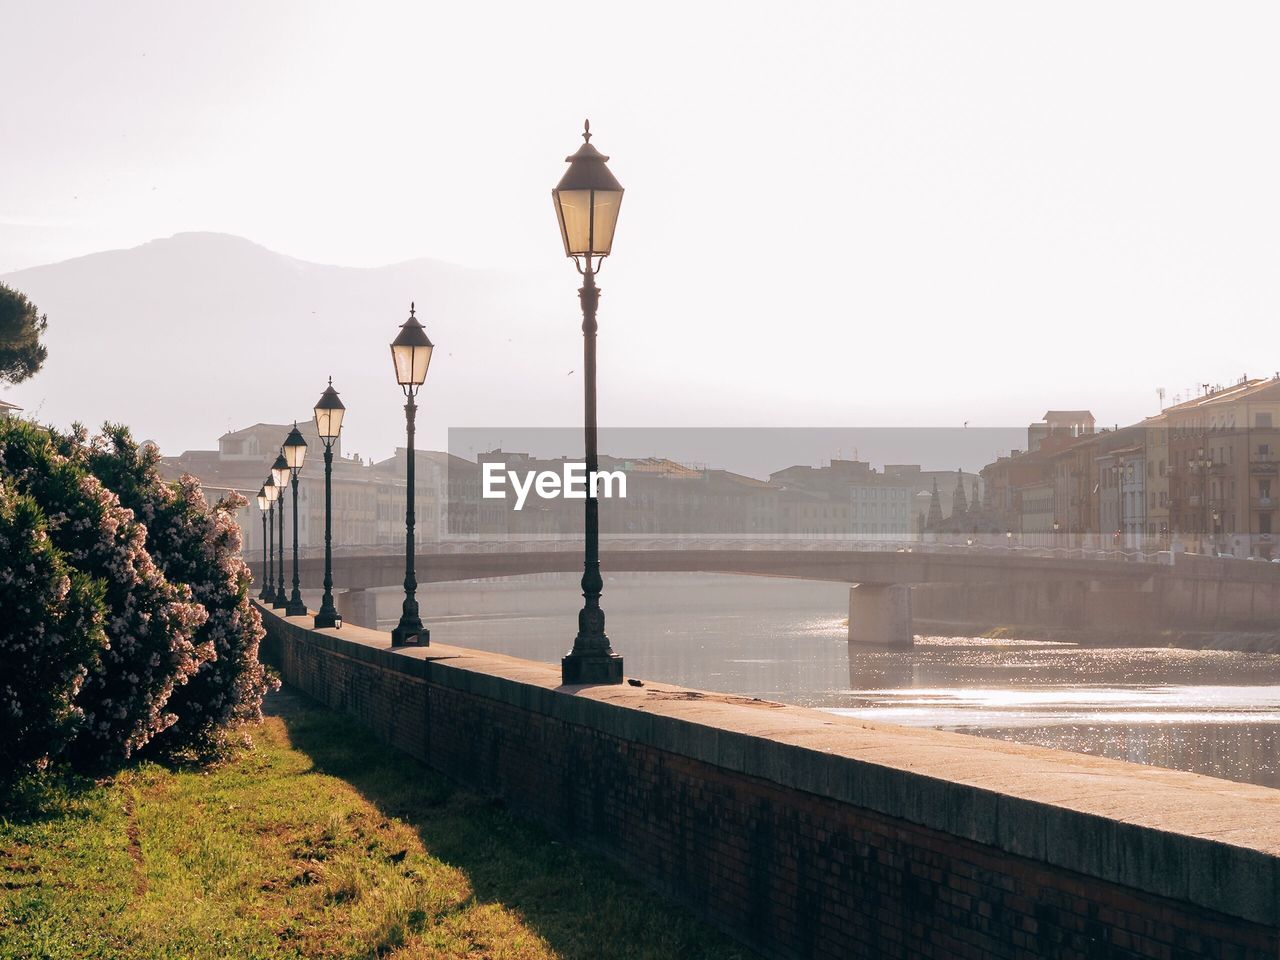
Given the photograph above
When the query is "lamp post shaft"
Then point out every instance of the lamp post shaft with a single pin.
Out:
(409, 631)
(328, 615)
(296, 607)
(280, 599)
(592, 659)
(591, 619)
(271, 552)
(266, 584)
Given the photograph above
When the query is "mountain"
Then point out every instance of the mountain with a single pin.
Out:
(188, 337)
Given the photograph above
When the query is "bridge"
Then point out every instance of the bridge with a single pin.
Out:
(1013, 587)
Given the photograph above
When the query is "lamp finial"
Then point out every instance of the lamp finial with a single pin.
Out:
(586, 130)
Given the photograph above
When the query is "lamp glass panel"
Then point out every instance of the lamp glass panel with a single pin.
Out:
(273, 492)
(573, 207)
(607, 204)
(263, 502)
(421, 360)
(587, 220)
(329, 422)
(411, 363)
(280, 475)
(294, 455)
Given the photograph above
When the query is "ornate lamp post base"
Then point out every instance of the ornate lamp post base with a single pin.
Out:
(409, 635)
(585, 668)
(326, 618)
(295, 609)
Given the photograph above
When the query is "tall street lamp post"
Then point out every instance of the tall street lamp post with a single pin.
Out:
(295, 452)
(1203, 464)
(411, 354)
(280, 474)
(264, 503)
(587, 199)
(329, 411)
(273, 494)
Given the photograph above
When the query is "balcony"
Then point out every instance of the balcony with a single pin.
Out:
(1264, 466)
(1264, 503)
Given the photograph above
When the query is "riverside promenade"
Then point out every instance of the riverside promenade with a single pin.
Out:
(808, 835)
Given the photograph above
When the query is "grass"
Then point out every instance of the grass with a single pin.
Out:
(318, 843)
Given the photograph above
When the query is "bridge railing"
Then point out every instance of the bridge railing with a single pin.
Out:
(945, 544)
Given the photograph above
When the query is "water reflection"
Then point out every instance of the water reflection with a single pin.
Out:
(1213, 712)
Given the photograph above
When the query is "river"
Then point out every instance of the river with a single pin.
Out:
(1211, 712)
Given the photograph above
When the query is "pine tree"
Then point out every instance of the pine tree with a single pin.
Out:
(21, 326)
(959, 506)
(935, 508)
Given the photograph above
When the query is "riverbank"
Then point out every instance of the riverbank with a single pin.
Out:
(319, 843)
(1242, 642)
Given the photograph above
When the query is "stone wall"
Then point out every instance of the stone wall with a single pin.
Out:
(809, 835)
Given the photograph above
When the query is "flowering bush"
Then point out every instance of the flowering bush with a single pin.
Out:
(198, 545)
(51, 631)
(150, 623)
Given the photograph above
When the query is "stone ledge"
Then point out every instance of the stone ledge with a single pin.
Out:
(1187, 837)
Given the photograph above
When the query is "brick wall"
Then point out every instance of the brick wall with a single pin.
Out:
(772, 822)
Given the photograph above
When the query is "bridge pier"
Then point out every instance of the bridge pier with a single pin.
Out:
(359, 607)
(880, 615)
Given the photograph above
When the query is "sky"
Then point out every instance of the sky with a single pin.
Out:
(874, 213)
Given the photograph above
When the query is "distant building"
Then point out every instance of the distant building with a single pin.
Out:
(1202, 475)
(849, 498)
(1156, 454)
(9, 409)
(1224, 450)
(1035, 514)
(1059, 424)
(368, 500)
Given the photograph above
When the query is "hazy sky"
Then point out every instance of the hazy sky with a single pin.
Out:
(947, 211)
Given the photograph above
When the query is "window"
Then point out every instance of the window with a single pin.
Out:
(1264, 523)
(1262, 420)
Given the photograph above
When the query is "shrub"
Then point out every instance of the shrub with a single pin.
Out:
(50, 632)
(150, 623)
(197, 544)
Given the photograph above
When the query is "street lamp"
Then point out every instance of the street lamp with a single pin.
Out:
(329, 411)
(273, 494)
(587, 199)
(295, 452)
(1203, 464)
(264, 503)
(411, 354)
(280, 477)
